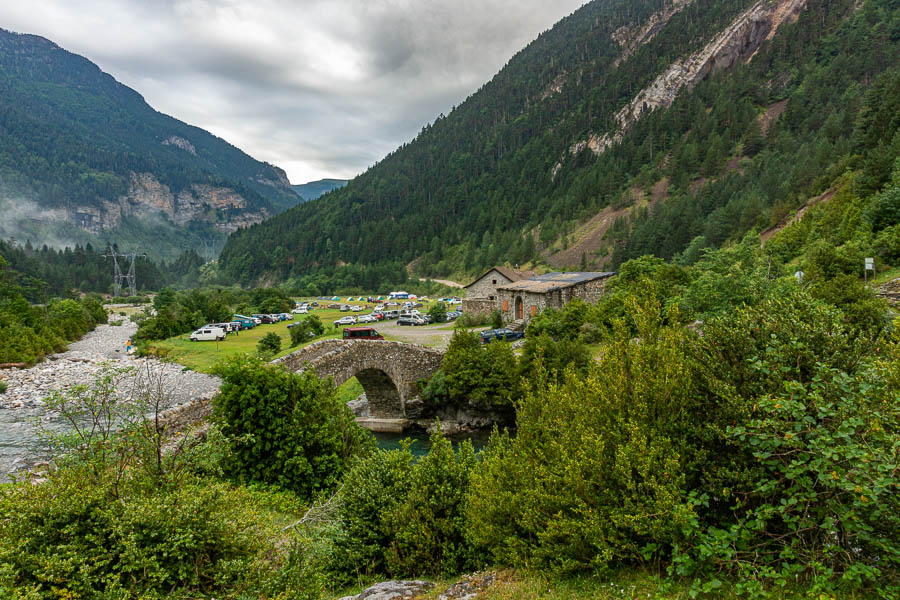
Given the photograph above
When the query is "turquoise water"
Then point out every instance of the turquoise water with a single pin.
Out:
(421, 445)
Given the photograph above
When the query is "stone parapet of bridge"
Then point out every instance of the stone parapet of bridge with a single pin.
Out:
(388, 371)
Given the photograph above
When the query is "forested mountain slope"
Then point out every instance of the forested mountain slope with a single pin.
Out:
(631, 127)
(84, 157)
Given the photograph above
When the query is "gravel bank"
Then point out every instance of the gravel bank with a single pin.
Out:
(23, 401)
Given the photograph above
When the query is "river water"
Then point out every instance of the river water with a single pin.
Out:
(422, 444)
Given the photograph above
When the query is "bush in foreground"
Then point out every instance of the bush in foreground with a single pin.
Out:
(286, 429)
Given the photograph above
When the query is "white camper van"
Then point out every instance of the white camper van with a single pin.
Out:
(208, 334)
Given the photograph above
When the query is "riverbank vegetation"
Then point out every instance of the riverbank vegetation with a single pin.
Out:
(29, 332)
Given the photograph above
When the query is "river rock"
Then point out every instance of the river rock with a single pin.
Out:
(393, 590)
(360, 406)
(469, 587)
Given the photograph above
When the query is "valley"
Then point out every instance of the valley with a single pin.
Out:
(624, 313)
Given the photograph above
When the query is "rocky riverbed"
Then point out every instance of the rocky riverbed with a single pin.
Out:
(23, 402)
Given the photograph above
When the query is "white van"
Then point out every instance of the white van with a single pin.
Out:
(208, 334)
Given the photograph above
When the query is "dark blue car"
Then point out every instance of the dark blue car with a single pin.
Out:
(504, 335)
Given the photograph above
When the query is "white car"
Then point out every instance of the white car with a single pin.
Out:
(208, 334)
(356, 308)
(300, 311)
(366, 319)
(348, 320)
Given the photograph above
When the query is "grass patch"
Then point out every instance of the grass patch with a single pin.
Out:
(349, 390)
(202, 356)
(887, 275)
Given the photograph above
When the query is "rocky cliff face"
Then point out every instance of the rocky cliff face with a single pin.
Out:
(737, 43)
(632, 37)
(220, 206)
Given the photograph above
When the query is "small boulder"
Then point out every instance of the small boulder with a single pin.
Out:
(393, 590)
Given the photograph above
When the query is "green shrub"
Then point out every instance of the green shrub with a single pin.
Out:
(3, 386)
(285, 429)
(496, 319)
(405, 518)
(798, 488)
(307, 329)
(478, 319)
(438, 312)
(427, 526)
(482, 375)
(371, 492)
(597, 471)
(271, 343)
(543, 352)
(822, 505)
(861, 307)
(64, 539)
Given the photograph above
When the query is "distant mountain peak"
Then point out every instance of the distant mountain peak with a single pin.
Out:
(315, 189)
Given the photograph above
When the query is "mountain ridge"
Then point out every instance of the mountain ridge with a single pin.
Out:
(82, 152)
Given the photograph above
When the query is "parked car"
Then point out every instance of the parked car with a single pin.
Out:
(361, 333)
(356, 308)
(268, 319)
(348, 320)
(391, 314)
(226, 326)
(314, 304)
(505, 335)
(208, 334)
(345, 308)
(487, 336)
(378, 316)
(300, 311)
(366, 319)
(411, 320)
(246, 322)
(332, 306)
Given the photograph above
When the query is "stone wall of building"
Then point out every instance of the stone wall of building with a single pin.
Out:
(487, 285)
(535, 303)
(531, 303)
(479, 306)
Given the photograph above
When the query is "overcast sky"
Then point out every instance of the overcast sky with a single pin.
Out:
(321, 88)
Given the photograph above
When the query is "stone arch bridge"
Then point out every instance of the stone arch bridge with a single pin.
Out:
(388, 371)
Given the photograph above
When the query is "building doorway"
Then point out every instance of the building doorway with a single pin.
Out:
(520, 308)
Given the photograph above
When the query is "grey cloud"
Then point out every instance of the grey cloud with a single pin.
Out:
(322, 88)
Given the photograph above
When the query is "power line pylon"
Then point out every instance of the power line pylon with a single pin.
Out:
(119, 279)
(117, 272)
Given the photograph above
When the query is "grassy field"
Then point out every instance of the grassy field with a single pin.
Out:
(202, 356)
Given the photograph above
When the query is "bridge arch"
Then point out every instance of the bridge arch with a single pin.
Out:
(389, 372)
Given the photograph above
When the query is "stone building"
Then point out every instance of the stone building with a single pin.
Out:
(520, 301)
(481, 294)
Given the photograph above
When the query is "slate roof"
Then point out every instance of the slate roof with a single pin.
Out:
(550, 282)
(510, 274)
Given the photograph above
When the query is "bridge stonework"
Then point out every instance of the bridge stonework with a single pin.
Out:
(389, 372)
